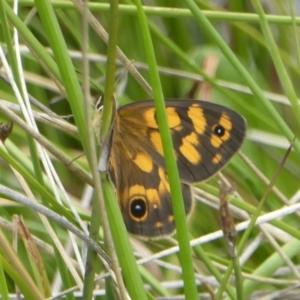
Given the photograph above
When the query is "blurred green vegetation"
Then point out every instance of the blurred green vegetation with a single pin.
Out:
(181, 46)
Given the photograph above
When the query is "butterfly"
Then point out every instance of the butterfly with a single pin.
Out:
(205, 136)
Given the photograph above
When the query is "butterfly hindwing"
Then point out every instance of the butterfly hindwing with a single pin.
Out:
(143, 191)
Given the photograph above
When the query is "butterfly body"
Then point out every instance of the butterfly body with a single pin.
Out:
(205, 136)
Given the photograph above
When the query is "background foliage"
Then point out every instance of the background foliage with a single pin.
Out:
(258, 77)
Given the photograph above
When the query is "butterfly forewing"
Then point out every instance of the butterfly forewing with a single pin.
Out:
(205, 135)
(206, 139)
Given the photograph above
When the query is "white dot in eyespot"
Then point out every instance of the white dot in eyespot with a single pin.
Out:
(219, 130)
(155, 206)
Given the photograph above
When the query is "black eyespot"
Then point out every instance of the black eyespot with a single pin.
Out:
(138, 208)
(219, 130)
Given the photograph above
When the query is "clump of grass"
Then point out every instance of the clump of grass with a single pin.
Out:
(47, 156)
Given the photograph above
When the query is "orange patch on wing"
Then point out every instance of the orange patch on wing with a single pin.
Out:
(136, 190)
(170, 218)
(153, 196)
(217, 158)
(159, 224)
(216, 141)
(195, 113)
(188, 149)
(144, 162)
(156, 141)
(164, 186)
(226, 136)
(149, 117)
(173, 117)
(225, 122)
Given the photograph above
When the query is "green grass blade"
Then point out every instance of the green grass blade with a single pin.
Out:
(185, 255)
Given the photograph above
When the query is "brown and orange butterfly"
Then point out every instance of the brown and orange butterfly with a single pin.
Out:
(205, 137)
